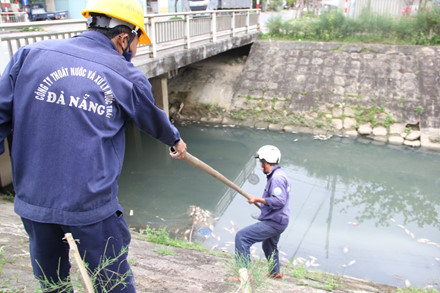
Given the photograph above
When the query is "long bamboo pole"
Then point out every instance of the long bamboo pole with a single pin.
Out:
(214, 173)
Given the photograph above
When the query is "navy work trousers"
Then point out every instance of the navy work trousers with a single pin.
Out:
(101, 244)
(258, 232)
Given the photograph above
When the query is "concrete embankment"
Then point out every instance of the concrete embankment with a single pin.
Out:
(389, 94)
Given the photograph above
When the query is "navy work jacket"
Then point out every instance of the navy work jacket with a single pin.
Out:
(68, 102)
(276, 211)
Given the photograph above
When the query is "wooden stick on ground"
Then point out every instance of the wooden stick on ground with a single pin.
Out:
(245, 280)
(84, 276)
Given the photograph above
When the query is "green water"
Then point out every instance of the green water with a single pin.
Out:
(358, 209)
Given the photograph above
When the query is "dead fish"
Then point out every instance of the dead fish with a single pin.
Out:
(392, 220)
(131, 212)
(345, 249)
(162, 219)
(354, 223)
(284, 260)
(398, 277)
(407, 283)
(231, 231)
(423, 240)
(434, 243)
(214, 247)
(282, 253)
(349, 264)
(187, 232)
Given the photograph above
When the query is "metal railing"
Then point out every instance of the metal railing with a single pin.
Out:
(166, 31)
(7, 17)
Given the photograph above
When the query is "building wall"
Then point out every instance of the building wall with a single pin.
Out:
(76, 6)
(382, 7)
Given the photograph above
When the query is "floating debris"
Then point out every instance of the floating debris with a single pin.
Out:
(407, 283)
(398, 277)
(354, 223)
(131, 212)
(349, 264)
(322, 136)
(201, 222)
(345, 249)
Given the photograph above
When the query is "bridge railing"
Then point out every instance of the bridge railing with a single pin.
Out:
(166, 31)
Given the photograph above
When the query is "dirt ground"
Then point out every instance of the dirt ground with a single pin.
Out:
(182, 271)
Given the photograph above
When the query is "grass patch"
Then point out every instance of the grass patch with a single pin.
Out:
(165, 250)
(161, 236)
(420, 29)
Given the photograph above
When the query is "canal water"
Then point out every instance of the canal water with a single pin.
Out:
(358, 209)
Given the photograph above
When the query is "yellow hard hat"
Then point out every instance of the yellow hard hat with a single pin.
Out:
(126, 10)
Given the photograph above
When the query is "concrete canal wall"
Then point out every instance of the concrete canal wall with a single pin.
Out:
(390, 94)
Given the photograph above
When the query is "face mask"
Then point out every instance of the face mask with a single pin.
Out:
(127, 55)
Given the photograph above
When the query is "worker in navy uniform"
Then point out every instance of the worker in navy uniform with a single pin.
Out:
(274, 216)
(67, 103)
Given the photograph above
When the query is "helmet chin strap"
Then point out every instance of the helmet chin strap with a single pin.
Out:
(127, 53)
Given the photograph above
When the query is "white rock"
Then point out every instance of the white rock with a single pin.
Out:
(349, 123)
(337, 124)
(412, 143)
(337, 112)
(380, 131)
(380, 138)
(397, 128)
(396, 140)
(427, 144)
(365, 129)
(413, 135)
(349, 111)
(351, 133)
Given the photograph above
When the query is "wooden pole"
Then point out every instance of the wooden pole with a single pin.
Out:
(214, 173)
(84, 276)
(245, 281)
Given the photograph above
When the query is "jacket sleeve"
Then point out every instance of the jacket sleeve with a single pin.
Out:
(150, 119)
(278, 193)
(7, 82)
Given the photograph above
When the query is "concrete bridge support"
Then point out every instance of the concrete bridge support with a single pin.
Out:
(160, 92)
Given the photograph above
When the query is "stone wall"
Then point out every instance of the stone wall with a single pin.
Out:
(386, 93)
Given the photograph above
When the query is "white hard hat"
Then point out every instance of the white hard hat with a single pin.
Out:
(269, 153)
